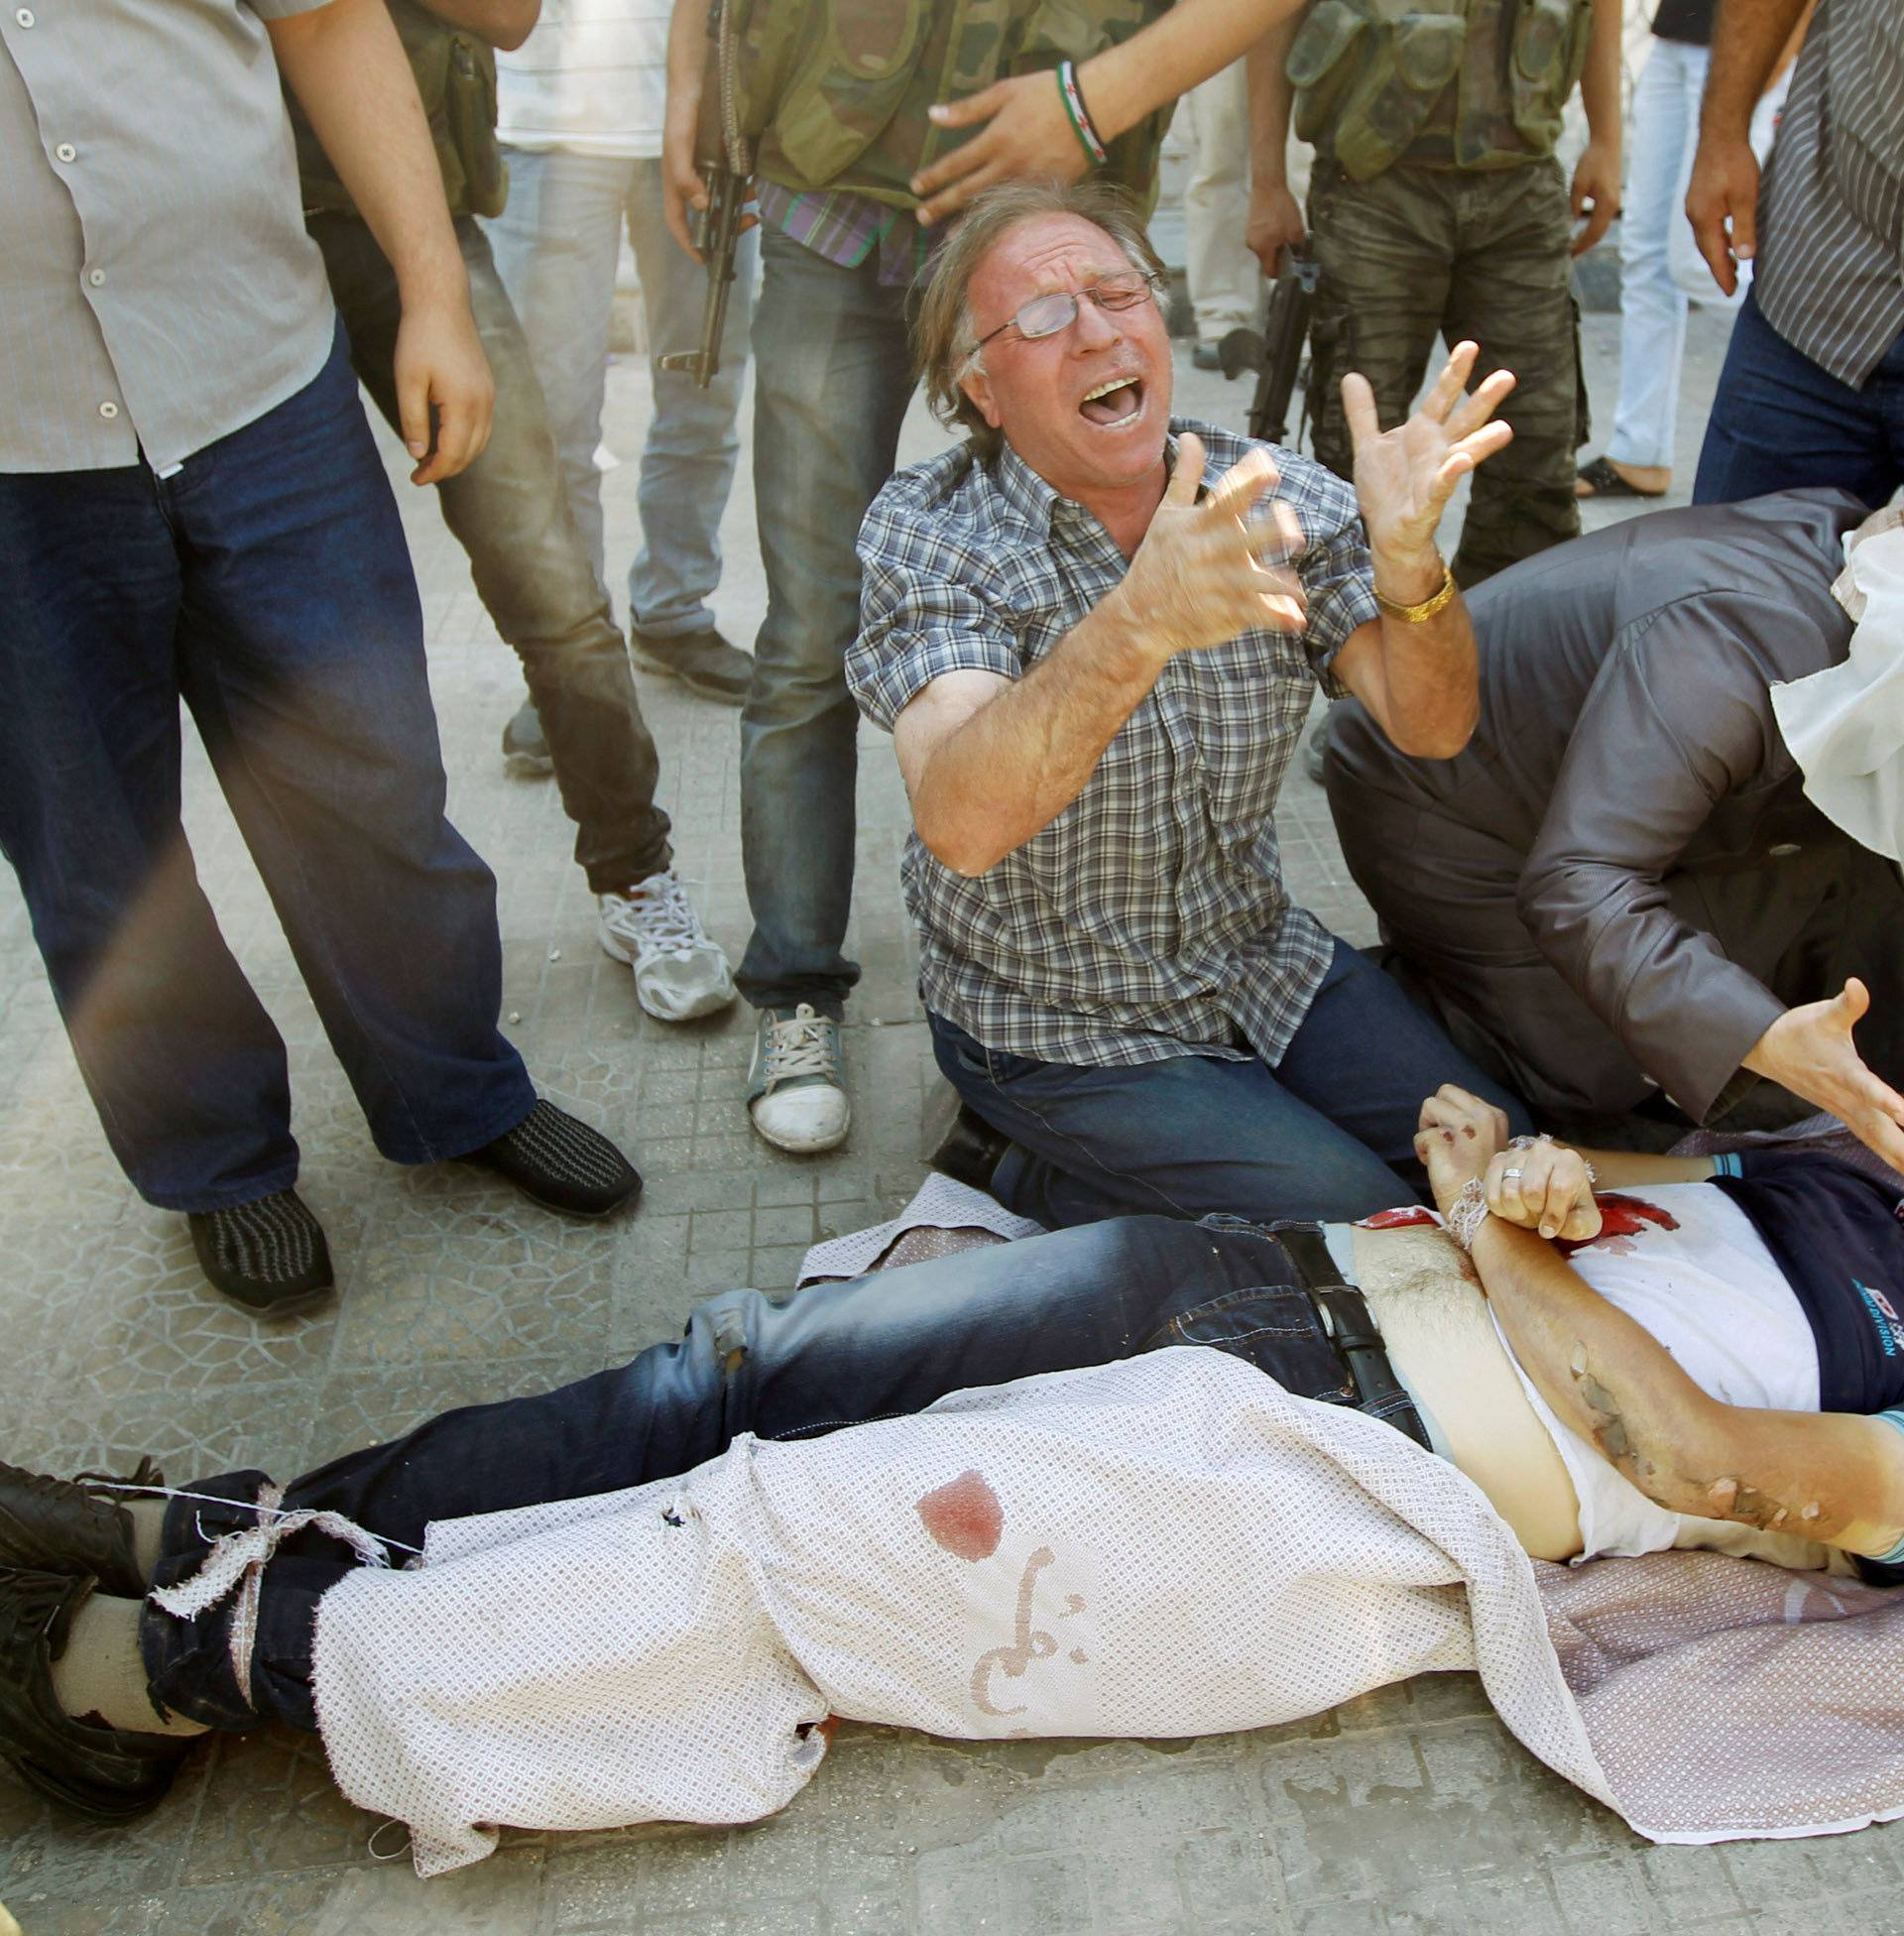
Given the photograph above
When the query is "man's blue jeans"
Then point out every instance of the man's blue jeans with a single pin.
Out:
(268, 583)
(832, 377)
(1779, 421)
(1327, 1133)
(878, 1347)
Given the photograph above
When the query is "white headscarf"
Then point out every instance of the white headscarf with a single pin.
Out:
(1845, 726)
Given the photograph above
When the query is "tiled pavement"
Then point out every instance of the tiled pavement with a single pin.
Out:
(1409, 1811)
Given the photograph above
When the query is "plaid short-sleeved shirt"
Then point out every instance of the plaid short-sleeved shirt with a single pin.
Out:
(1149, 920)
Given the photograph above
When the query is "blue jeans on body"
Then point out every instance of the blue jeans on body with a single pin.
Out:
(531, 569)
(267, 581)
(1327, 1133)
(839, 1354)
(832, 377)
(556, 245)
(1780, 422)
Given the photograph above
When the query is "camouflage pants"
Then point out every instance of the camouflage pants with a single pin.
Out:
(1480, 254)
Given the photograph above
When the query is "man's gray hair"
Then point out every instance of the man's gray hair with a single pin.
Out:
(944, 344)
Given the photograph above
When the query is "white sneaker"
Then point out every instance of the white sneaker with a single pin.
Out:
(679, 969)
(793, 1089)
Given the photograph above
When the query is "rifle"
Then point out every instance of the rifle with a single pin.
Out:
(1276, 355)
(721, 156)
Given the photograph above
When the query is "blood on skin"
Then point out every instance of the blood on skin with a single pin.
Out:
(964, 1517)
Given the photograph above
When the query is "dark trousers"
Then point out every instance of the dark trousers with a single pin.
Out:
(1476, 253)
(1779, 421)
(833, 1355)
(1329, 1132)
(266, 581)
(531, 567)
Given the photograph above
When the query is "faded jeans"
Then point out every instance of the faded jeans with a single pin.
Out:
(531, 569)
(1652, 306)
(832, 380)
(556, 245)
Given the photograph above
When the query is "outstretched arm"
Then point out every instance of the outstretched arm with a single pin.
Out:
(1831, 1476)
(1027, 136)
(990, 760)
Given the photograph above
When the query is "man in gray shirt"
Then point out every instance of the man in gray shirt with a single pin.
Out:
(190, 505)
(1618, 888)
(1813, 389)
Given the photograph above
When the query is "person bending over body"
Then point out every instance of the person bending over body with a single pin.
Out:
(1621, 889)
(1717, 1364)
(1093, 684)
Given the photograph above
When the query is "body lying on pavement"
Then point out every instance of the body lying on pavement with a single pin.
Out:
(1717, 1363)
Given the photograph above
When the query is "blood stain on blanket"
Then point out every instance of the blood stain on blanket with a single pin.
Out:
(964, 1517)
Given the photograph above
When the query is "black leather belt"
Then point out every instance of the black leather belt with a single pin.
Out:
(1354, 1332)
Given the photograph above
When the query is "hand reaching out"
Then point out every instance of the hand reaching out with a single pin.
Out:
(1404, 478)
(1198, 578)
(1027, 137)
(1809, 1050)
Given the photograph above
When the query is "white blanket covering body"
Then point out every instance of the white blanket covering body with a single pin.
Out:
(1169, 1546)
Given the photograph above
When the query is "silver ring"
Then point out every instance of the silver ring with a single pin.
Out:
(1509, 1173)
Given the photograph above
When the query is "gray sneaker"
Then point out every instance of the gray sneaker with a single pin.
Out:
(795, 1090)
(703, 661)
(526, 754)
(679, 969)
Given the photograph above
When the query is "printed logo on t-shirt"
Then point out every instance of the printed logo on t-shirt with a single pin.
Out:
(1890, 1327)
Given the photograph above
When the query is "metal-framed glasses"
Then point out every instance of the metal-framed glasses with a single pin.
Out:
(1045, 316)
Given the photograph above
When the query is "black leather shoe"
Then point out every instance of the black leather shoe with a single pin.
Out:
(703, 661)
(562, 1164)
(970, 1150)
(59, 1526)
(270, 1254)
(93, 1769)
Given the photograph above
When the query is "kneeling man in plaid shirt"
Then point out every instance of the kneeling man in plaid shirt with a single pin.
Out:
(1093, 634)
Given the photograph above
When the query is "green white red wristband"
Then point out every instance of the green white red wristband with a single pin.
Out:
(1079, 115)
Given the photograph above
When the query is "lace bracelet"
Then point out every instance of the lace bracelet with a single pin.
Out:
(1467, 1214)
(1528, 1141)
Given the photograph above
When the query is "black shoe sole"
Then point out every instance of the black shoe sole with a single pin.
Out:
(88, 1801)
(705, 688)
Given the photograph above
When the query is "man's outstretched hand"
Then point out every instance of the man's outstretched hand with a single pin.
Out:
(1198, 578)
(1027, 137)
(1809, 1050)
(1404, 478)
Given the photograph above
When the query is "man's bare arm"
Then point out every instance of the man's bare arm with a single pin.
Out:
(1027, 136)
(501, 23)
(1831, 1477)
(1748, 37)
(1418, 678)
(347, 69)
(1274, 221)
(990, 760)
(1595, 192)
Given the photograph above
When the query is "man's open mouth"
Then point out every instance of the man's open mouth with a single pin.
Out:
(1112, 403)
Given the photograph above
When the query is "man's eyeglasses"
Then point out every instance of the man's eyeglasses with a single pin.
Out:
(1045, 316)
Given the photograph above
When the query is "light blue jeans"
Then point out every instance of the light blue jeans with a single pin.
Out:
(556, 245)
(832, 380)
(1652, 306)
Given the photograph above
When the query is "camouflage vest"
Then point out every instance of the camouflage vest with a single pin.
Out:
(834, 93)
(1475, 84)
(456, 76)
